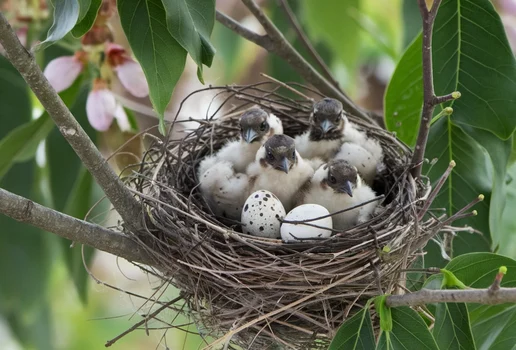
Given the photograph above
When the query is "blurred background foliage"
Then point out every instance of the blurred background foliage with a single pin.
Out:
(47, 298)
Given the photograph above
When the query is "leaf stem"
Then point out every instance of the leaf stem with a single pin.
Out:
(123, 201)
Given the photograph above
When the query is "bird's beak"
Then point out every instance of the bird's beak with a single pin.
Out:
(285, 165)
(326, 126)
(250, 135)
(346, 188)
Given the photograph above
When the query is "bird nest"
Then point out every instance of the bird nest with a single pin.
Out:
(258, 292)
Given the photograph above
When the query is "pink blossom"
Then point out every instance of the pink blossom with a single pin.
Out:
(509, 23)
(62, 72)
(129, 72)
(132, 78)
(122, 119)
(508, 7)
(101, 107)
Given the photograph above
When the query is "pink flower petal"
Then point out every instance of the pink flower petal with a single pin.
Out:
(101, 108)
(122, 119)
(62, 72)
(132, 78)
(508, 7)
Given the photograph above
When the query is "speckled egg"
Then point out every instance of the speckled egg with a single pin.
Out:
(299, 232)
(261, 214)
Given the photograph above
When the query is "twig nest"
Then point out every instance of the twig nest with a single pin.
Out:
(306, 228)
(262, 214)
(262, 289)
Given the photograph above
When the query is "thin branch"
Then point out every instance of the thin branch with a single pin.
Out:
(306, 42)
(480, 296)
(430, 100)
(24, 62)
(26, 211)
(276, 43)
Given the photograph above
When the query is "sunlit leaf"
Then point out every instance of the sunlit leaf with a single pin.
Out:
(409, 331)
(87, 16)
(191, 22)
(66, 14)
(161, 56)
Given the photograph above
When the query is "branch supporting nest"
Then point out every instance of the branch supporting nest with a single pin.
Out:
(125, 204)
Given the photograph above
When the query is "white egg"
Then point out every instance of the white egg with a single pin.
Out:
(297, 232)
(261, 214)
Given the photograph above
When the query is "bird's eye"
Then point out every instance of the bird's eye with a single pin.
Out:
(294, 154)
(337, 119)
(333, 180)
(270, 155)
(263, 126)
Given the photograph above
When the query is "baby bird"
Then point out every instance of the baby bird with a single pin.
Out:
(327, 131)
(280, 169)
(337, 186)
(224, 190)
(256, 126)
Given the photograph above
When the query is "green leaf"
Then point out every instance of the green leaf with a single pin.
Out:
(507, 223)
(411, 21)
(87, 16)
(66, 14)
(384, 312)
(21, 143)
(161, 56)
(330, 22)
(486, 78)
(355, 334)
(452, 329)
(409, 331)
(451, 281)
(78, 204)
(404, 95)
(191, 22)
(492, 326)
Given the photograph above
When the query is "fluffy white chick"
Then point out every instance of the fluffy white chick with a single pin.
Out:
(337, 186)
(280, 169)
(256, 126)
(225, 190)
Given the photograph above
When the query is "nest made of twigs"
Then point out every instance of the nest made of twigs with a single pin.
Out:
(261, 290)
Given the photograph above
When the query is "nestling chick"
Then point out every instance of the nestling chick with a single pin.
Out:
(280, 169)
(360, 158)
(337, 186)
(329, 129)
(224, 190)
(256, 126)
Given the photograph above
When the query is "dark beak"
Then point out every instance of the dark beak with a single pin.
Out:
(250, 135)
(346, 188)
(285, 165)
(326, 126)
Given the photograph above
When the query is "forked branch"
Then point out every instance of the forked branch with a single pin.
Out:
(123, 201)
(430, 100)
(275, 42)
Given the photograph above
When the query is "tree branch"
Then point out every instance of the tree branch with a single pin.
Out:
(427, 296)
(123, 201)
(429, 98)
(306, 43)
(26, 211)
(276, 43)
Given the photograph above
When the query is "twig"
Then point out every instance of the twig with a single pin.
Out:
(275, 42)
(24, 62)
(480, 296)
(430, 100)
(306, 43)
(25, 210)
